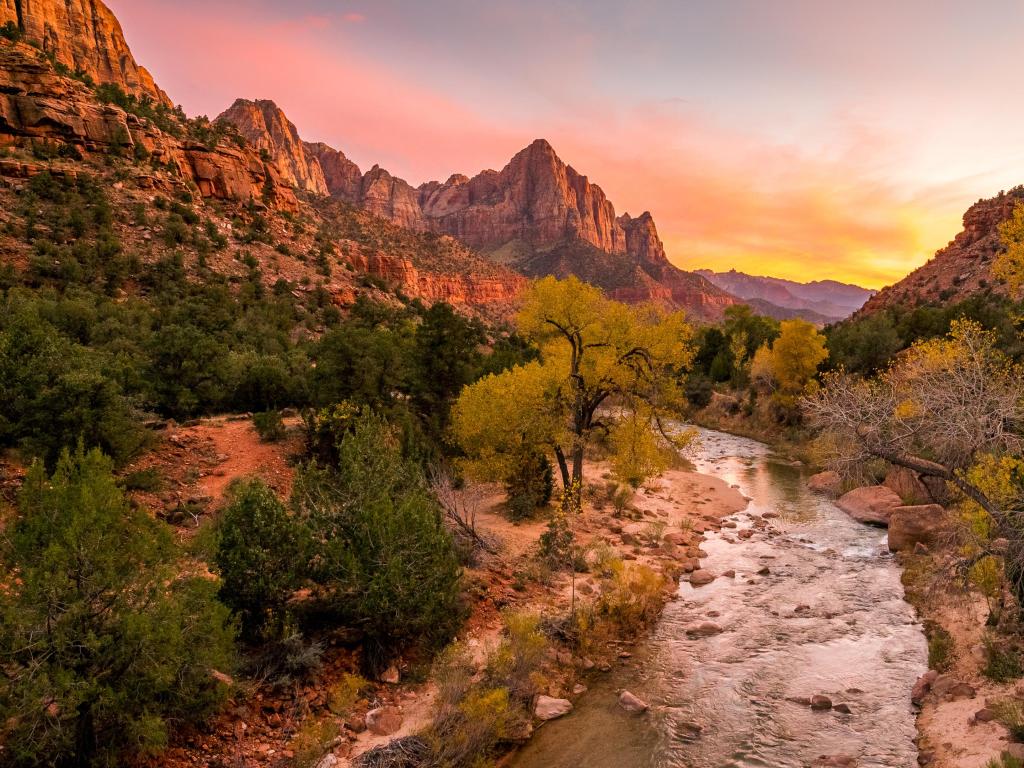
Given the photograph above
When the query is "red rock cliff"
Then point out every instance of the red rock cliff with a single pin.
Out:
(85, 36)
(265, 127)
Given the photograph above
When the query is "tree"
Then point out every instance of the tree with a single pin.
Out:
(382, 558)
(1009, 265)
(104, 643)
(788, 368)
(261, 555)
(595, 352)
(937, 410)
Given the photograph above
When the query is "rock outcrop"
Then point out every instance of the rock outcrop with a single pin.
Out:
(85, 37)
(38, 104)
(343, 178)
(873, 504)
(961, 269)
(266, 128)
(918, 524)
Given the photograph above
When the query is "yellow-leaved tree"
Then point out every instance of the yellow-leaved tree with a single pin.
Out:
(1009, 264)
(604, 367)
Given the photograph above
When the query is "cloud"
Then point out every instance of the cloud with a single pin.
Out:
(354, 18)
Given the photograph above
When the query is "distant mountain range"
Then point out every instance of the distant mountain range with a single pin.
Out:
(820, 301)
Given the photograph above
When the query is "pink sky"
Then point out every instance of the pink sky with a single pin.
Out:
(793, 138)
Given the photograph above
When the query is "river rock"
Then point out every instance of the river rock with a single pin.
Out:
(908, 486)
(549, 708)
(701, 577)
(384, 721)
(704, 629)
(746, 533)
(390, 675)
(922, 686)
(330, 760)
(872, 505)
(949, 688)
(842, 708)
(821, 703)
(984, 715)
(828, 483)
(631, 703)
(912, 525)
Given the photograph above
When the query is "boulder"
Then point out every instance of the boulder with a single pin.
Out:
(549, 708)
(872, 504)
(923, 686)
(701, 577)
(384, 721)
(828, 483)
(912, 525)
(821, 703)
(631, 703)
(703, 629)
(908, 486)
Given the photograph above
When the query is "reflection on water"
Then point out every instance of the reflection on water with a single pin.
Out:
(828, 618)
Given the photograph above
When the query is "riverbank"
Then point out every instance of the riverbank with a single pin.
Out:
(957, 723)
(662, 528)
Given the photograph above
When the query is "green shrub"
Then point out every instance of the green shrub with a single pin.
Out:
(105, 644)
(269, 426)
(261, 558)
(1006, 760)
(1010, 712)
(530, 484)
(1002, 660)
(940, 647)
(385, 561)
(149, 480)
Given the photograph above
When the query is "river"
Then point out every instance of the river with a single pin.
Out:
(828, 618)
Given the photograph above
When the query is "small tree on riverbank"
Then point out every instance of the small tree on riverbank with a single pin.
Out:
(594, 352)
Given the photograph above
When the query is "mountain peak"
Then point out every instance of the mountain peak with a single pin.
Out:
(266, 127)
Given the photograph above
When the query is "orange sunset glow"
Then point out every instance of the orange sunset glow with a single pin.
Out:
(798, 139)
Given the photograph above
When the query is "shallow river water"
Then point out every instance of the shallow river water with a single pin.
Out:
(828, 619)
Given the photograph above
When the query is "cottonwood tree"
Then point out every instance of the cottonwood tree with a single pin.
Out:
(594, 352)
(940, 409)
(1009, 265)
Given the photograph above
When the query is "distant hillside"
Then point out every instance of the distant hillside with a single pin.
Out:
(961, 269)
(818, 301)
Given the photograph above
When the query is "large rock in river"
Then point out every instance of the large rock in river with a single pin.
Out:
(919, 523)
(872, 505)
(908, 486)
(828, 483)
(549, 708)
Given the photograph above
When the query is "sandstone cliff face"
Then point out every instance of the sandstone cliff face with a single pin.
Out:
(84, 36)
(962, 268)
(265, 127)
(536, 199)
(37, 104)
(343, 178)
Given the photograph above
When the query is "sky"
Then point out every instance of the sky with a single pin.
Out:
(805, 139)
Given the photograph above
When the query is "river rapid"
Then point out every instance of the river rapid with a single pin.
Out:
(827, 618)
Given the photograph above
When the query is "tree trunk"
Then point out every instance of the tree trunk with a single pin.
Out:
(563, 468)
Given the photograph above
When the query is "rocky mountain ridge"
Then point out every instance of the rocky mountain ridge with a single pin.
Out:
(85, 37)
(54, 123)
(961, 269)
(537, 215)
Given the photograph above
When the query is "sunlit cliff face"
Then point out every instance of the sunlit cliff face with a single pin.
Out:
(797, 138)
